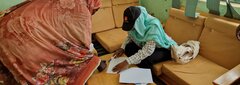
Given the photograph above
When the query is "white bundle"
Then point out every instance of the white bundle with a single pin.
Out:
(185, 52)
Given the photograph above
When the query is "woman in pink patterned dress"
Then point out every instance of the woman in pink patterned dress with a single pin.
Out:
(47, 42)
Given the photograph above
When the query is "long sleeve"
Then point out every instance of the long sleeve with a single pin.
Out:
(146, 51)
(127, 40)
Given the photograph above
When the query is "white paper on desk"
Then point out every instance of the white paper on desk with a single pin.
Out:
(113, 63)
(136, 75)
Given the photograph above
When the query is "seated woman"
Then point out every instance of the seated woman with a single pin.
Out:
(48, 42)
(147, 43)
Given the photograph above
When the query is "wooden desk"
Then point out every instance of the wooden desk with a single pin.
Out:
(103, 78)
(232, 77)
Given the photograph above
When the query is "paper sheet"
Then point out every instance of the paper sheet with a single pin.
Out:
(113, 63)
(136, 75)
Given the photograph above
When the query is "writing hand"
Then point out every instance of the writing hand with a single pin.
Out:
(121, 66)
(119, 52)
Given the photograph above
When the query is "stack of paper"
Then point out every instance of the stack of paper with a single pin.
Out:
(113, 63)
(136, 75)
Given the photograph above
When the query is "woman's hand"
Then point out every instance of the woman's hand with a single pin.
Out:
(121, 66)
(119, 52)
(94, 11)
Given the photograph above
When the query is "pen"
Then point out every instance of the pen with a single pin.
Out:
(112, 58)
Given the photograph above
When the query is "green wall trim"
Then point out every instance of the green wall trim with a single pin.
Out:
(5, 4)
(159, 8)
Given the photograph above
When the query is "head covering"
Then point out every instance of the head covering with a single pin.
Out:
(93, 4)
(130, 16)
(148, 28)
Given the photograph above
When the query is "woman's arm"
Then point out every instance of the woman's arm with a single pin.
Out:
(146, 51)
(120, 51)
(143, 53)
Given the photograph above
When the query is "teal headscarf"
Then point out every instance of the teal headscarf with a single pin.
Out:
(148, 28)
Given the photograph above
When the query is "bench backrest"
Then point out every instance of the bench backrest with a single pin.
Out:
(182, 28)
(218, 42)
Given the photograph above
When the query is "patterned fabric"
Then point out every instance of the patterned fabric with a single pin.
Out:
(146, 51)
(47, 42)
(93, 4)
(143, 53)
(58, 71)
